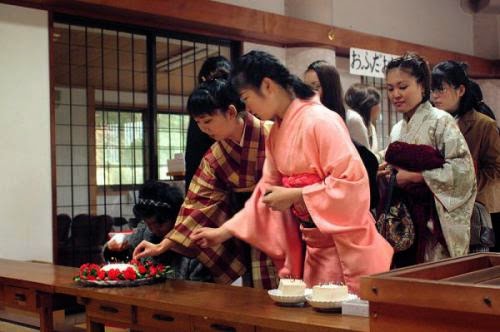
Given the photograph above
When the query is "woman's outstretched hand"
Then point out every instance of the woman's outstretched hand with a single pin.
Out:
(148, 249)
(209, 237)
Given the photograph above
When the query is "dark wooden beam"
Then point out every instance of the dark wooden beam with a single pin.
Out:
(228, 21)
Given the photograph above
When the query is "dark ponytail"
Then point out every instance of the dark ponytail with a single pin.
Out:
(301, 90)
(479, 104)
(254, 66)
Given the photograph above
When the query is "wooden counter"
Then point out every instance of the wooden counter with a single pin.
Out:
(31, 287)
(190, 306)
(169, 306)
(460, 294)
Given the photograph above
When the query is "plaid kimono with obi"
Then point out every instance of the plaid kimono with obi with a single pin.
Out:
(227, 171)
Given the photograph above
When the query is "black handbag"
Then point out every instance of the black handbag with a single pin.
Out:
(481, 228)
(395, 223)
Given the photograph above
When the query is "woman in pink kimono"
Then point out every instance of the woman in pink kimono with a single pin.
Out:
(314, 186)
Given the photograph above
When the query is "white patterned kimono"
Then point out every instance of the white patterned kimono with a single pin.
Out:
(453, 185)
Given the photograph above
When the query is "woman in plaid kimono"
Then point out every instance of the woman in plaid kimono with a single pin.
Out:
(225, 178)
(312, 171)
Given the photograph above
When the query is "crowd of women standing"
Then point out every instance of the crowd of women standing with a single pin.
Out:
(313, 184)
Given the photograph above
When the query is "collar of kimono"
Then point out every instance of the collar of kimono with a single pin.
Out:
(420, 112)
(251, 131)
(412, 126)
(295, 107)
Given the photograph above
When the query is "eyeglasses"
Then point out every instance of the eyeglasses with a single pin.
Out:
(439, 91)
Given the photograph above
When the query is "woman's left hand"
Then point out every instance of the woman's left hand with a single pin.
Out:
(405, 177)
(280, 198)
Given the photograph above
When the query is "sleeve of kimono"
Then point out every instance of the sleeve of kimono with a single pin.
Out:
(380, 156)
(374, 138)
(205, 205)
(489, 158)
(190, 269)
(454, 183)
(344, 195)
(357, 129)
(273, 232)
(137, 235)
(132, 240)
(339, 206)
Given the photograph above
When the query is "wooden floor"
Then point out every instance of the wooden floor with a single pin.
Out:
(68, 323)
(7, 327)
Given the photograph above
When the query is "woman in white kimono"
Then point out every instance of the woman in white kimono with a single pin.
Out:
(443, 230)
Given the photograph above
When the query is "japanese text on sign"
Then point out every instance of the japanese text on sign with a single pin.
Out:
(368, 63)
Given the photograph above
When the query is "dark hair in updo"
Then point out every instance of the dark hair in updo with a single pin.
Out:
(159, 200)
(361, 98)
(216, 67)
(253, 67)
(416, 66)
(213, 96)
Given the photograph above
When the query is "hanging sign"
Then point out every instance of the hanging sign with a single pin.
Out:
(368, 63)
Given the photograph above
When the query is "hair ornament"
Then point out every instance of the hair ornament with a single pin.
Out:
(150, 202)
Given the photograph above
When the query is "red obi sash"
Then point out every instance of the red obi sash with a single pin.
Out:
(299, 181)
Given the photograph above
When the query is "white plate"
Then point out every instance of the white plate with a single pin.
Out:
(120, 283)
(279, 298)
(329, 304)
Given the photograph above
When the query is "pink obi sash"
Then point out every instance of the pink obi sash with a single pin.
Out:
(299, 181)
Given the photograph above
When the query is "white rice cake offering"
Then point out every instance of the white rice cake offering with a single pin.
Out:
(292, 287)
(329, 292)
(118, 266)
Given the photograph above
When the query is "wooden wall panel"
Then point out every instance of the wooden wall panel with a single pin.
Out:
(223, 20)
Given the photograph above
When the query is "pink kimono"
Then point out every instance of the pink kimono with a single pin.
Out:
(345, 243)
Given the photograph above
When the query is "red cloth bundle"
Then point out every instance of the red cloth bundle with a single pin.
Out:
(418, 197)
(413, 157)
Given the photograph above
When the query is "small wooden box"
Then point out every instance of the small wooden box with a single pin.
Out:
(460, 294)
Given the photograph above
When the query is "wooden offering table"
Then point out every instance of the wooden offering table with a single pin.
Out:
(31, 287)
(461, 294)
(173, 305)
(180, 306)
